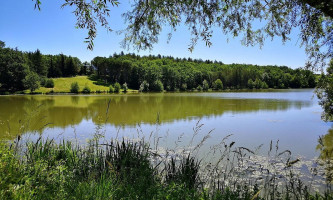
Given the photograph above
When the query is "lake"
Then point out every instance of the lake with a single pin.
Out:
(252, 117)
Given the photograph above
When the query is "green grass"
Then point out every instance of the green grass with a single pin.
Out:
(63, 85)
(119, 170)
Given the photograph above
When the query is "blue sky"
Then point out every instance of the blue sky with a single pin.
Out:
(52, 30)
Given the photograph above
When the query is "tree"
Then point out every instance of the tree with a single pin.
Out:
(158, 86)
(144, 86)
(31, 81)
(325, 93)
(37, 63)
(279, 17)
(218, 85)
(205, 85)
(2, 44)
(125, 87)
(13, 69)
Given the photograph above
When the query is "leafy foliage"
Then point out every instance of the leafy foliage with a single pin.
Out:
(86, 90)
(159, 72)
(218, 85)
(13, 69)
(125, 87)
(157, 86)
(144, 87)
(325, 93)
(176, 73)
(31, 81)
(147, 19)
(75, 87)
(49, 83)
(117, 87)
(111, 89)
(205, 85)
(15, 65)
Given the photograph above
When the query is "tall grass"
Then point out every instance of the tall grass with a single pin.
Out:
(126, 169)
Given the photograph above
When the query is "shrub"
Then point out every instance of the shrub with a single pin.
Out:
(199, 88)
(43, 81)
(86, 90)
(158, 86)
(117, 87)
(205, 85)
(49, 83)
(111, 89)
(218, 85)
(144, 87)
(75, 87)
(125, 88)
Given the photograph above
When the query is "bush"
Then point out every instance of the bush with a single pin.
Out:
(117, 87)
(205, 85)
(158, 86)
(75, 87)
(125, 88)
(43, 81)
(199, 88)
(86, 90)
(49, 83)
(111, 89)
(218, 85)
(144, 87)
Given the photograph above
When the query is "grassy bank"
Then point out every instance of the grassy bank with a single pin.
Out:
(63, 85)
(134, 170)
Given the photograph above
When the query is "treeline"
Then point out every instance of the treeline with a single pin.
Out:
(188, 74)
(27, 70)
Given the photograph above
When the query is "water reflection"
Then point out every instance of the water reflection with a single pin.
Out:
(21, 114)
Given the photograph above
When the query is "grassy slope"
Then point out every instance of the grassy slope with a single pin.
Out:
(63, 85)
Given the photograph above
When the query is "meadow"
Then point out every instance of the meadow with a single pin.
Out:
(63, 85)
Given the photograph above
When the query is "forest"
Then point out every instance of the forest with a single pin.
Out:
(27, 70)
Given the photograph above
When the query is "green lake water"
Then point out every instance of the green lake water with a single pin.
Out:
(253, 118)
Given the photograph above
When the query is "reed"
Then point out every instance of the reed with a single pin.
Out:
(133, 169)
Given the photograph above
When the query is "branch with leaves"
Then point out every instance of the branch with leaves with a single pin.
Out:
(235, 18)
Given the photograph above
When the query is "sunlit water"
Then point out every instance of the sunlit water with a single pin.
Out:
(291, 116)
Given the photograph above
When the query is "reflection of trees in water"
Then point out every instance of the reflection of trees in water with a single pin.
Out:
(75, 99)
(325, 145)
(129, 110)
(22, 114)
